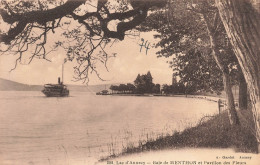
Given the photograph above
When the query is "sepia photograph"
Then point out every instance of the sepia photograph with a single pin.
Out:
(129, 82)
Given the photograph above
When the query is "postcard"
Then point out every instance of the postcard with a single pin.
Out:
(129, 82)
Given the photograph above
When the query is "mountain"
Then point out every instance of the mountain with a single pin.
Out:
(8, 85)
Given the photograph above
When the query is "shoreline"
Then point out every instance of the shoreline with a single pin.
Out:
(213, 133)
(208, 98)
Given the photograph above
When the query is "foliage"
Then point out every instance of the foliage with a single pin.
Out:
(144, 83)
(123, 88)
(178, 88)
(184, 39)
(156, 88)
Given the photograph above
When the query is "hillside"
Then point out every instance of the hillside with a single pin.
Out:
(7, 85)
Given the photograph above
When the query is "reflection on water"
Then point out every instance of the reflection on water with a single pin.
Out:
(84, 127)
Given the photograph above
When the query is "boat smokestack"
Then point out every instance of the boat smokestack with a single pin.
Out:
(59, 80)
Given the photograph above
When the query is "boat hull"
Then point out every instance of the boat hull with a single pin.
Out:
(55, 90)
(56, 93)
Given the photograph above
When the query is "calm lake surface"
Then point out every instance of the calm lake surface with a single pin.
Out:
(82, 128)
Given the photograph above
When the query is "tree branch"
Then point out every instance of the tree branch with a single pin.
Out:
(40, 17)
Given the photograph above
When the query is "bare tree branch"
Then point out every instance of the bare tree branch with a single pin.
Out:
(29, 29)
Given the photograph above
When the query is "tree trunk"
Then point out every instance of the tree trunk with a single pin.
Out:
(241, 21)
(232, 114)
(242, 101)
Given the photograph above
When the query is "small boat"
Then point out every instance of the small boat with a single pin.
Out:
(55, 90)
(103, 92)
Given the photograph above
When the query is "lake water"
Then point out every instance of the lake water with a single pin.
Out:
(82, 128)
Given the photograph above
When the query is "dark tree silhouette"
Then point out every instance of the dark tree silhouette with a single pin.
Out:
(144, 83)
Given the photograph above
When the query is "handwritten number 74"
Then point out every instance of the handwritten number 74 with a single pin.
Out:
(145, 45)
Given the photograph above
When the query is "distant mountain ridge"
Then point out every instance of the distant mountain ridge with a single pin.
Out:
(8, 85)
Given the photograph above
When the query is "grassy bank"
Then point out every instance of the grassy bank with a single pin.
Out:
(216, 132)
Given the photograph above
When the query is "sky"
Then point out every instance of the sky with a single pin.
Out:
(128, 63)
